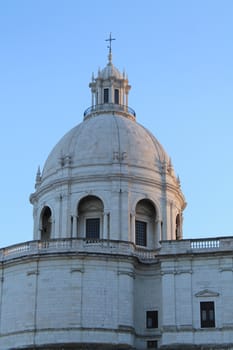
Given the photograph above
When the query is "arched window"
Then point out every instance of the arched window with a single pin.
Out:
(46, 223)
(145, 224)
(90, 216)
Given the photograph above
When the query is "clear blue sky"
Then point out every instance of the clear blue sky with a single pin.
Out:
(179, 59)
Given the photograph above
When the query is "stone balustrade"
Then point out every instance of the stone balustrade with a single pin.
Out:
(81, 245)
(102, 246)
(109, 107)
(196, 245)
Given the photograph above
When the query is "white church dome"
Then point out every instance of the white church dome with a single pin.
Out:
(99, 140)
(110, 172)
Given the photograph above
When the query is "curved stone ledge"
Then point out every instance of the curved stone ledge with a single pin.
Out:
(115, 247)
(78, 245)
(79, 338)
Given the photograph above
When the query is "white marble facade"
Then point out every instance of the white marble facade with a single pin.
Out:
(108, 266)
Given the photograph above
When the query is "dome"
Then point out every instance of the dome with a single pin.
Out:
(99, 140)
(110, 71)
(114, 166)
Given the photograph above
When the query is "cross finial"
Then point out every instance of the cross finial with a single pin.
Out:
(110, 39)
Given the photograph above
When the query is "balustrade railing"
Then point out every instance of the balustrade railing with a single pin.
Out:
(205, 243)
(185, 246)
(109, 107)
(80, 245)
(83, 245)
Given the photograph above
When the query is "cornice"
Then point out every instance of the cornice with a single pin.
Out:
(69, 180)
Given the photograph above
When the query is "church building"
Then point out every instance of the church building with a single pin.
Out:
(107, 266)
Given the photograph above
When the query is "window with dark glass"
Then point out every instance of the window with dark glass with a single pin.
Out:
(207, 314)
(152, 344)
(152, 319)
(46, 224)
(141, 233)
(93, 228)
(106, 95)
(116, 97)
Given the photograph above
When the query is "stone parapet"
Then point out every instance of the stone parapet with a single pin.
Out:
(78, 245)
(189, 246)
(104, 246)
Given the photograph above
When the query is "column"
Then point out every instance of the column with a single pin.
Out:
(157, 233)
(36, 226)
(92, 99)
(133, 238)
(105, 226)
(126, 99)
(111, 94)
(75, 222)
(99, 97)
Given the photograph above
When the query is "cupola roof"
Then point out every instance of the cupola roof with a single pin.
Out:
(110, 71)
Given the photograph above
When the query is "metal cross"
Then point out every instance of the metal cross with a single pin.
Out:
(110, 39)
